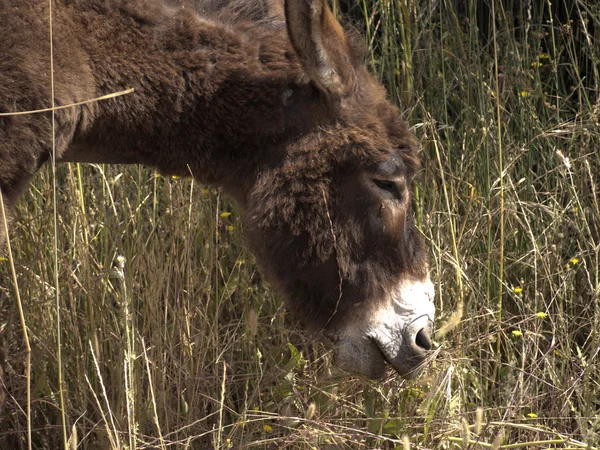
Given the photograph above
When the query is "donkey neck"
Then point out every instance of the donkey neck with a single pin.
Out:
(210, 101)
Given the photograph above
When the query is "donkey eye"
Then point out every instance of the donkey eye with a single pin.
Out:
(390, 187)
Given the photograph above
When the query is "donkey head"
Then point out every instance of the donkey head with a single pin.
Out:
(331, 220)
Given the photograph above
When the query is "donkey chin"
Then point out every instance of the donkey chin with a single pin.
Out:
(398, 333)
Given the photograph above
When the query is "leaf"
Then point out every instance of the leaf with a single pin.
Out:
(393, 427)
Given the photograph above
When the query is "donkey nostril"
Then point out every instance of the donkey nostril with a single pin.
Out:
(423, 340)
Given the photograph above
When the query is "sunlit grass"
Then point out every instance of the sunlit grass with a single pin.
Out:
(171, 339)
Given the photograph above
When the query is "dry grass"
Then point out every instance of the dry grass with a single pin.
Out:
(171, 339)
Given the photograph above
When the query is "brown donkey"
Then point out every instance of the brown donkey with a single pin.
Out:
(269, 100)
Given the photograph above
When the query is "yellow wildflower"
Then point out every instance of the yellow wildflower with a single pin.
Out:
(267, 428)
(541, 315)
(536, 64)
(230, 228)
(543, 56)
(2, 258)
(532, 415)
(516, 333)
(574, 261)
(225, 214)
(175, 177)
(524, 94)
(518, 290)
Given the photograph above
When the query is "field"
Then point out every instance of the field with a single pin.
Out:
(170, 339)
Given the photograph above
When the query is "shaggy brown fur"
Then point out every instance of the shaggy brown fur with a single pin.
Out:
(281, 113)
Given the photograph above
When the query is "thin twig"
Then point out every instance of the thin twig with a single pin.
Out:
(70, 105)
(21, 316)
(54, 201)
(337, 259)
(501, 187)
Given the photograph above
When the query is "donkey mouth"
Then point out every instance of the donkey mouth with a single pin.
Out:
(405, 349)
(360, 357)
(366, 357)
(407, 367)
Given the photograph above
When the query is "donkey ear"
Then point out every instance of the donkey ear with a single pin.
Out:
(322, 45)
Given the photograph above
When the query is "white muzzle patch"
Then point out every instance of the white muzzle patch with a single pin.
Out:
(397, 333)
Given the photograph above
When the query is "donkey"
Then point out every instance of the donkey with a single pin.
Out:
(269, 100)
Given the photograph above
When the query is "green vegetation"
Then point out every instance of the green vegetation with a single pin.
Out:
(171, 339)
